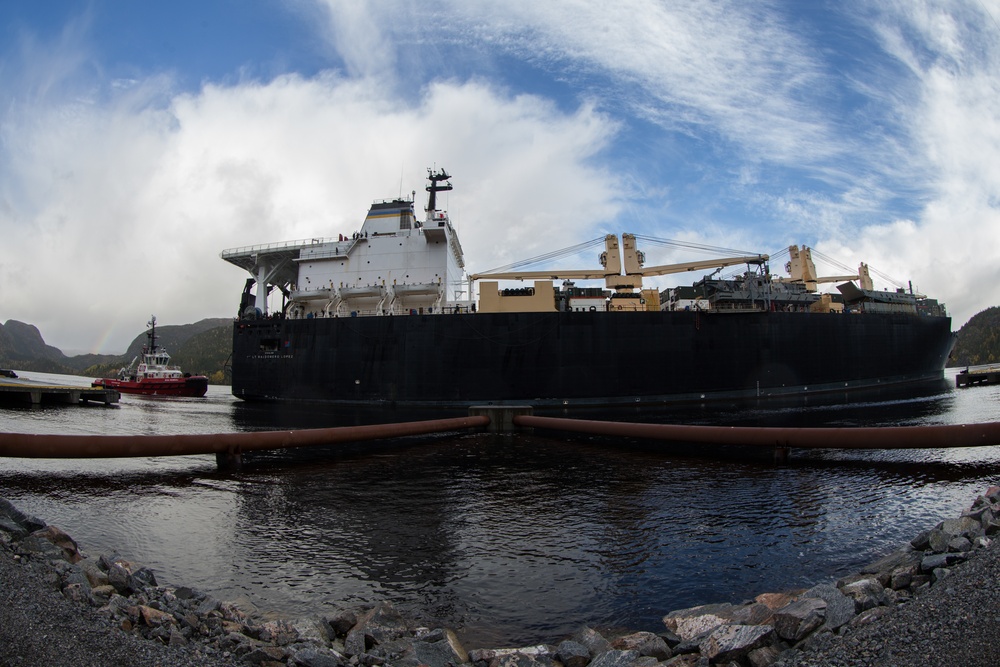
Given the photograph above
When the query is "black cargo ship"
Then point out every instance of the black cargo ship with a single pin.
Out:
(384, 317)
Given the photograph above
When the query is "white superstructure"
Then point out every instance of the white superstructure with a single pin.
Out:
(395, 264)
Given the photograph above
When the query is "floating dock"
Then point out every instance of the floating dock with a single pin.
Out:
(21, 391)
(976, 377)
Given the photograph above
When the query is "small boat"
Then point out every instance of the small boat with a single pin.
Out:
(151, 373)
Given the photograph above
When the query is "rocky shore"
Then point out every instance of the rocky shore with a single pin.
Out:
(934, 601)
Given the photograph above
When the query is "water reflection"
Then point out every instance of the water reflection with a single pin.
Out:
(511, 539)
(517, 538)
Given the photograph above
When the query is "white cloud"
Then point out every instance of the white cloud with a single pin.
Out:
(952, 52)
(116, 196)
(356, 31)
(744, 80)
(736, 69)
(121, 211)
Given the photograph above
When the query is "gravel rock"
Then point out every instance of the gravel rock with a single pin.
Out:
(40, 626)
(953, 623)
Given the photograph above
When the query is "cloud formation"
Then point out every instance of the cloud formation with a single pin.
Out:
(123, 208)
(866, 130)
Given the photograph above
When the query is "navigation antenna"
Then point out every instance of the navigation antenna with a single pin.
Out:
(436, 177)
(151, 334)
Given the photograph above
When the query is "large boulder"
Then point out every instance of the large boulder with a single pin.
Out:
(615, 658)
(731, 643)
(764, 656)
(572, 653)
(938, 539)
(774, 601)
(884, 567)
(342, 622)
(59, 538)
(16, 522)
(312, 656)
(755, 613)
(155, 617)
(839, 607)
(643, 643)
(930, 563)
(37, 544)
(277, 632)
(593, 640)
(964, 526)
(866, 593)
(694, 622)
(379, 625)
(514, 657)
(95, 575)
(796, 621)
(440, 649)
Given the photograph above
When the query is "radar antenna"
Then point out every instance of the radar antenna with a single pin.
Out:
(436, 177)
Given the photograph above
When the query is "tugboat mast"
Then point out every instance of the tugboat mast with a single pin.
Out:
(151, 334)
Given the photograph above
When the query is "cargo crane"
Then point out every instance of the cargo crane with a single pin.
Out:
(801, 269)
(622, 271)
(611, 261)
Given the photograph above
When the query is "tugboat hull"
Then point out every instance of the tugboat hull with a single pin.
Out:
(192, 386)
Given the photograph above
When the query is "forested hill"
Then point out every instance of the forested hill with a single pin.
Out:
(979, 340)
(201, 348)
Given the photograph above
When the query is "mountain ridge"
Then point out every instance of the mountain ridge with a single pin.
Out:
(200, 348)
(978, 341)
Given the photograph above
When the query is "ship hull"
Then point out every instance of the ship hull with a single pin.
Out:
(579, 359)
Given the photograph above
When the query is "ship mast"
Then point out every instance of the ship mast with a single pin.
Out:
(435, 177)
(151, 334)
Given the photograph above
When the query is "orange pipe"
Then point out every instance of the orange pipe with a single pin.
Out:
(882, 437)
(40, 446)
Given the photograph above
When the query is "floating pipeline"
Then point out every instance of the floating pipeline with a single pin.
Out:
(783, 439)
(227, 447)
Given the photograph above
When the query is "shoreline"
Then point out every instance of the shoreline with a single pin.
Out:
(107, 610)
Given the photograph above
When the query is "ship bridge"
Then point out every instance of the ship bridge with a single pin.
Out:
(395, 264)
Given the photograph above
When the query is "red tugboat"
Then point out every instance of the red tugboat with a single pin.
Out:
(151, 374)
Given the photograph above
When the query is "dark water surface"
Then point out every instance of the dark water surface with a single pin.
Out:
(510, 540)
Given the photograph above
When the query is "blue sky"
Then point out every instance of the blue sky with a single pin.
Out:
(138, 140)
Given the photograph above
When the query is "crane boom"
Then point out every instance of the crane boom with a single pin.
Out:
(634, 259)
(720, 262)
(555, 274)
(612, 259)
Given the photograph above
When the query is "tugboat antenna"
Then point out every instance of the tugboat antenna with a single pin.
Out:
(151, 335)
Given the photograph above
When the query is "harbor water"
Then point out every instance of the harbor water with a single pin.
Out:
(509, 540)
